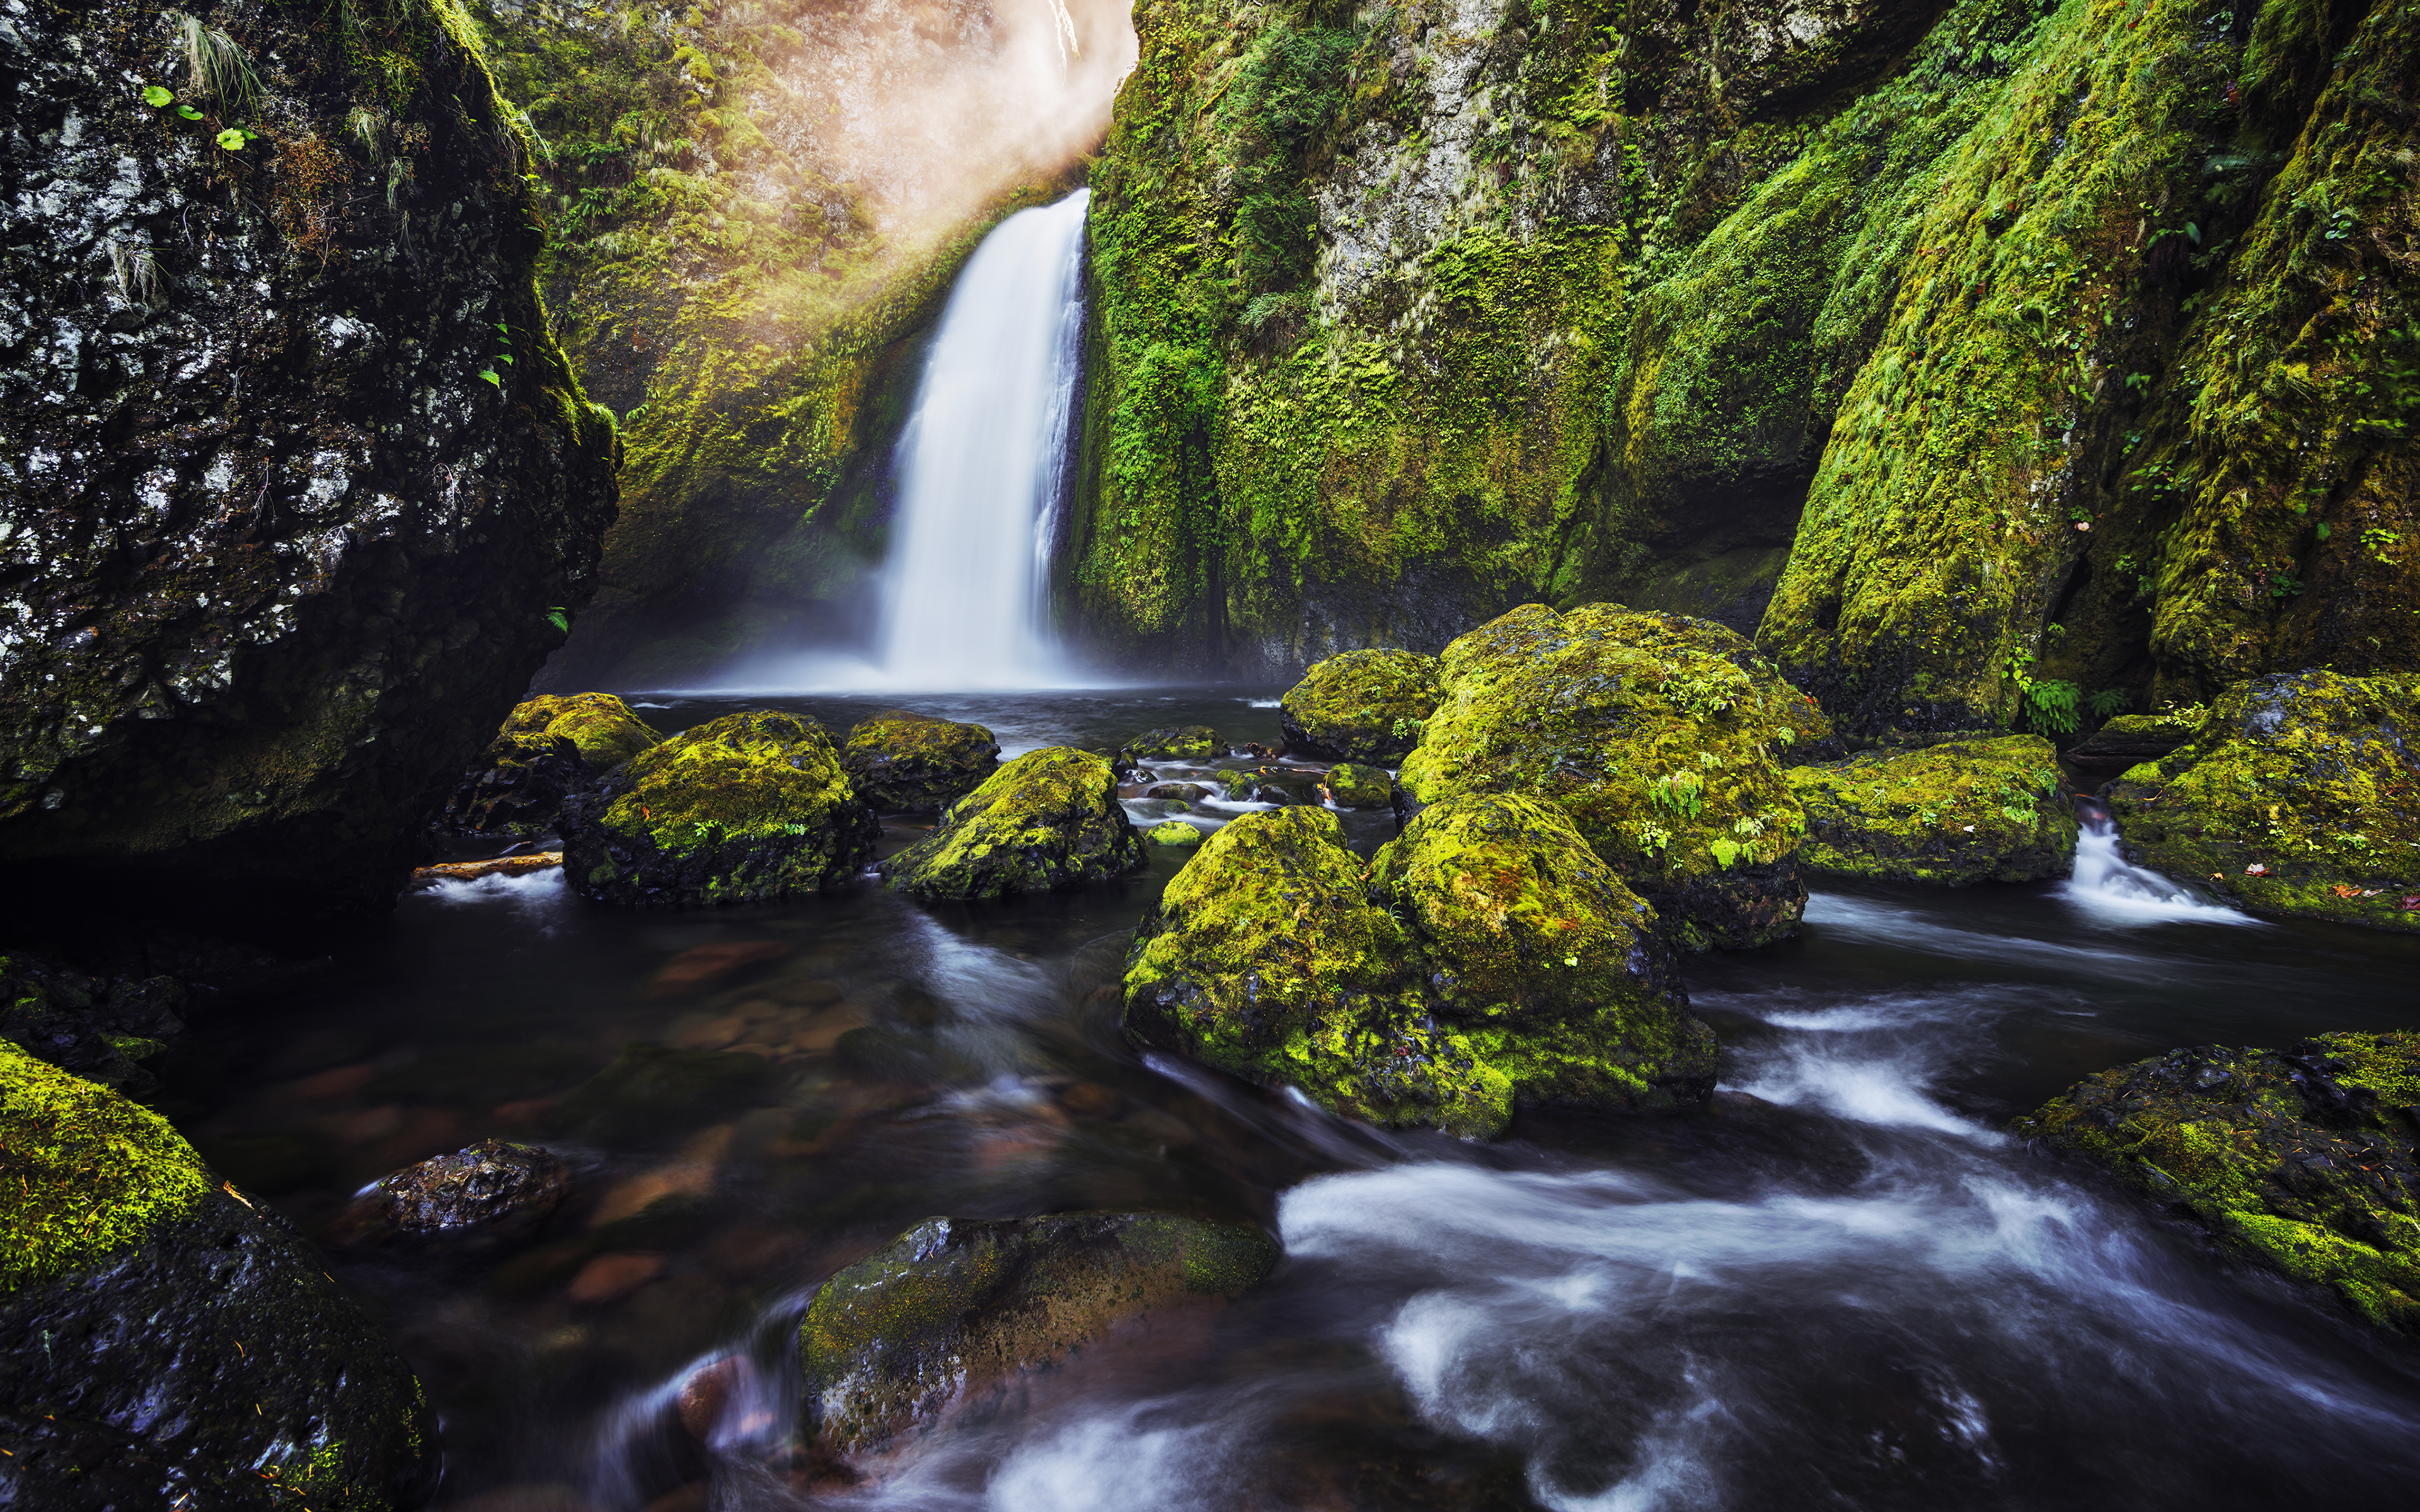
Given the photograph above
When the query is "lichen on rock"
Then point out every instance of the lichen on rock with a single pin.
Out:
(2299, 794)
(2304, 1160)
(744, 808)
(1952, 814)
(1048, 819)
(1658, 735)
(1360, 706)
(903, 762)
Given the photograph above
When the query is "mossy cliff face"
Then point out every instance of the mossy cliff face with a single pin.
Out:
(745, 809)
(549, 748)
(2299, 794)
(1658, 735)
(2302, 1159)
(758, 211)
(299, 490)
(129, 1276)
(952, 1317)
(1955, 813)
(1048, 819)
(1486, 960)
(902, 761)
(1407, 316)
(1360, 706)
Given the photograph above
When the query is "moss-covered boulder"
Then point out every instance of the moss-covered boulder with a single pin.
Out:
(903, 762)
(1360, 706)
(955, 1314)
(166, 1341)
(2299, 794)
(1048, 819)
(745, 809)
(1174, 832)
(1183, 743)
(2306, 1160)
(1350, 786)
(1556, 973)
(548, 749)
(1959, 812)
(1659, 734)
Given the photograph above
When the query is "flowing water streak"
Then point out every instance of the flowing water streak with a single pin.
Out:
(981, 464)
(2113, 890)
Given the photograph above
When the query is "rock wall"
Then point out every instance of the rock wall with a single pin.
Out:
(296, 488)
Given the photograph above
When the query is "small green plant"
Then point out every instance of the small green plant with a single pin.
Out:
(1726, 851)
(1404, 730)
(560, 618)
(1652, 838)
(217, 68)
(159, 96)
(1786, 735)
(1748, 826)
(1681, 793)
(1711, 761)
(504, 337)
(2379, 542)
(2283, 585)
(2109, 703)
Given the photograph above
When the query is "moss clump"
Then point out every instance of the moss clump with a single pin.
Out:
(749, 807)
(2303, 1159)
(598, 725)
(83, 1173)
(1048, 819)
(2299, 794)
(1959, 812)
(1174, 832)
(952, 1314)
(1361, 707)
(1658, 734)
(903, 762)
(1350, 786)
(1193, 742)
(547, 747)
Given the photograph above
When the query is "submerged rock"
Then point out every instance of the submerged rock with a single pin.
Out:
(649, 1090)
(491, 1183)
(1192, 742)
(1360, 787)
(2304, 1160)
(2130, 740)
(2299, 794)
(100, 1028)
(1953, 815)
(954, 1315)
(749, 807)
(1048, 819)
(912, 761)
(166, 1341)
(1658, 735)
(1360, 706)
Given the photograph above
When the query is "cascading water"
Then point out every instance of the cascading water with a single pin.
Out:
(982, 465)
(2115, 890)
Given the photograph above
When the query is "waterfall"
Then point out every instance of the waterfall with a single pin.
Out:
(2113, 890)
(982, 462)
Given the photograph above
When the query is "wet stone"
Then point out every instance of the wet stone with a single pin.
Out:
(489, 1182)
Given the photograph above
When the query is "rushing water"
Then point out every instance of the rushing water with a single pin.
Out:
(1837, 1284)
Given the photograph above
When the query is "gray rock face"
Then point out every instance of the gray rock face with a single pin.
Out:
(296, 490)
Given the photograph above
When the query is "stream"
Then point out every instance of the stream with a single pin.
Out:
(1837, 1284)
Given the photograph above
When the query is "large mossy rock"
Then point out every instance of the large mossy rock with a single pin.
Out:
(279, 555)
(903, 762)
(2299, 794)
(745, 809)
(1498, 963)
(955, 1313)
(164, 1341)
(1953, 815)
(1659, 734)
(1360, 706)
(2306, 1160)
(549, 748)
(1048, 819)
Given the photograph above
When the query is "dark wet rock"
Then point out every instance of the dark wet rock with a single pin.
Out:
(1658, 734)
(1360, 787)
(2297, 795)
(1950, 814)
(100, 1028)
(166, 1340)
(2306, 1160)
(1285, 786)
(280, 552)
(2129, 741)
(1238, 787)
(492, 1184)
(1192, 742)
(548, 749)
(1181, 792)
(903, 762)
(746, 808)
(1048, 819)
(650, 1090)
(956, 1315)
(1360, 706)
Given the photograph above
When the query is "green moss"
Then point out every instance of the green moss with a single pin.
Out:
(2298, 795)
(1950, 814)
(2302, 1159)
(600, 726)
(1350, 786)
(1657, 734)
(911, 762)
(1360, 706)
(1174, 832)
(1048, 819)
(748, 807)
(1193, 742)
(83, 1173)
